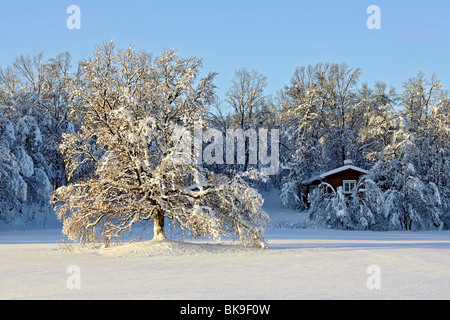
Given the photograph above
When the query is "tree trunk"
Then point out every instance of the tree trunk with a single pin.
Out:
(158, 227)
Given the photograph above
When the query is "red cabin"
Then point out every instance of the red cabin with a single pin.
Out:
(345, 177)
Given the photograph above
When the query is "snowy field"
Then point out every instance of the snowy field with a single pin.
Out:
(300, 264)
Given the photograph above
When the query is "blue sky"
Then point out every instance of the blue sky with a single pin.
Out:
(273, 37)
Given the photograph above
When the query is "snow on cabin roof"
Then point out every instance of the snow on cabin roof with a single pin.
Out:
(334, 171)
(329, 173)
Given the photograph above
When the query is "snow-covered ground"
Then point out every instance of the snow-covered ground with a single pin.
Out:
(300, 264)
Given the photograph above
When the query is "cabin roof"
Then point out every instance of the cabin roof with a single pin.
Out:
(334, 171)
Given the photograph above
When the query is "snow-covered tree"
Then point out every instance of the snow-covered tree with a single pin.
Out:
(375, 122)
(44, 94)
(12, 185)
(24, 185)
(250, 106)
(329, 208)
(418, 159)
(33, 99)
(247, 100)
(410, 203)
(360, 211)
(124, 164)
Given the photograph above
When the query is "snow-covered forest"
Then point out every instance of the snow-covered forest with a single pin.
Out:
(91, 140)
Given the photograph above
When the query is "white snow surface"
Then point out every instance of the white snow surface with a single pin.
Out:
(300, 264)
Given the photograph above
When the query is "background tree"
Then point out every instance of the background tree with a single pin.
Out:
(33, 106)
(250, 106)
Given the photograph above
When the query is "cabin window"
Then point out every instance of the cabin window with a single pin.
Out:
(349, 186)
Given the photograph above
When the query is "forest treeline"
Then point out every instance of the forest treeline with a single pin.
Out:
(324, 115)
